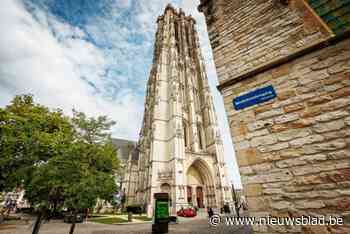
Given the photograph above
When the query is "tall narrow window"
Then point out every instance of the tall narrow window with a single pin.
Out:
(183, 94)
(189, 194)
(198, 103)
(188, 42)
(177, 39)
(185, 134)
(200, 136)
(176, 31)
(188, 36)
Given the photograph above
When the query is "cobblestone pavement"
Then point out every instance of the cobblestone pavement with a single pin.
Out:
(190, 227)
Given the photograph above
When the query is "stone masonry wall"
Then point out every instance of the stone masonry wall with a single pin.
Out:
(245, 34)
(294, 151)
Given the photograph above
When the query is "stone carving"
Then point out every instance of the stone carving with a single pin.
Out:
(176, 85)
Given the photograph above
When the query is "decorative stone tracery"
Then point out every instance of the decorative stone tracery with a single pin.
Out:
(180, 127)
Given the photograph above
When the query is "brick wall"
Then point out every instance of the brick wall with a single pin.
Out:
(294, 151)
(250, 33)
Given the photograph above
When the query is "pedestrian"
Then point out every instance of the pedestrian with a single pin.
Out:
(226, 208)
(237, 206)
(8, 205)
(210, 212)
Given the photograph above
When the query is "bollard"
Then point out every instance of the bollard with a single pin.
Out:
(129, 216)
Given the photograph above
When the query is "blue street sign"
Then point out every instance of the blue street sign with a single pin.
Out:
(255, 97)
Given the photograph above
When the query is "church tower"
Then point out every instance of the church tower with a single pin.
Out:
(180, 147)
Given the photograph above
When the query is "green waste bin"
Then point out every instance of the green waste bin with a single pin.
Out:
(161, 213)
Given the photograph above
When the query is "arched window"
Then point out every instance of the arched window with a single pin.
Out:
(188, 41)
(198, 102)
(185, 134)
(188, 36)
(183, 94)
(177, 38)
(200, 136)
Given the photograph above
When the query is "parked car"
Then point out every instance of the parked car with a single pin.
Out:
(188, 212)
(68, 218)
(135, 209)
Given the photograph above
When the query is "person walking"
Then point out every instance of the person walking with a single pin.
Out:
(210, 212)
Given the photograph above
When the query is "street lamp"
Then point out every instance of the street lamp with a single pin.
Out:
(234, 197)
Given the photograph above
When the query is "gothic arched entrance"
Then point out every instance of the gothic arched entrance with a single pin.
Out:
(200, 186)
(200, 197)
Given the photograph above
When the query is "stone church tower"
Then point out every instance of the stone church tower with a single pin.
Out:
(180, 147)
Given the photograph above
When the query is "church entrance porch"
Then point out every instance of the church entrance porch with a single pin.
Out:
(198, 180)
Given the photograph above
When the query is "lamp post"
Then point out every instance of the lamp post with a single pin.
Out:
(234, 197)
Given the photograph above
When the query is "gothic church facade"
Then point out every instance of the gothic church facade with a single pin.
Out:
(180, 147)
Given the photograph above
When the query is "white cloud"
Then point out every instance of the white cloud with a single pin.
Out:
(123, 3)
(33, 61)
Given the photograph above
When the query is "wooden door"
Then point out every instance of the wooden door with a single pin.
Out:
(189, 194)
(199, 193)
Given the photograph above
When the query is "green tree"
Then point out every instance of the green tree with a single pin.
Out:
(59, 161)
(1, 208)
(78, 178)
(95, 164)
(44, 191)
(30, 134)
(81, 174)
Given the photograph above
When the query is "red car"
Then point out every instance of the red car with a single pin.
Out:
(188, 212)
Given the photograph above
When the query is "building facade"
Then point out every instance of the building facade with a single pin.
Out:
(130, 176)
(292, 149)
(180, 147)
(126, 178)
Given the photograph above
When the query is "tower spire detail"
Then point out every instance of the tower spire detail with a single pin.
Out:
(180, 149)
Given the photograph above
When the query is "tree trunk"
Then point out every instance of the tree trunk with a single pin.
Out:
(87, 215)
(72, 227)
(2, 217)
(38, 221)
(54, 212)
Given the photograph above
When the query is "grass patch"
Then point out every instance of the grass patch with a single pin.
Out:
(107, 214)
(111, 220)
(11, 218)
(11, 222)
(142, 218)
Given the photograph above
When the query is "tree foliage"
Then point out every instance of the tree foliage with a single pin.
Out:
(59, 161)
(30, 134)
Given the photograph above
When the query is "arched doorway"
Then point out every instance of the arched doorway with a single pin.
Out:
(200, 197)
(199, 179)
(189, 194)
